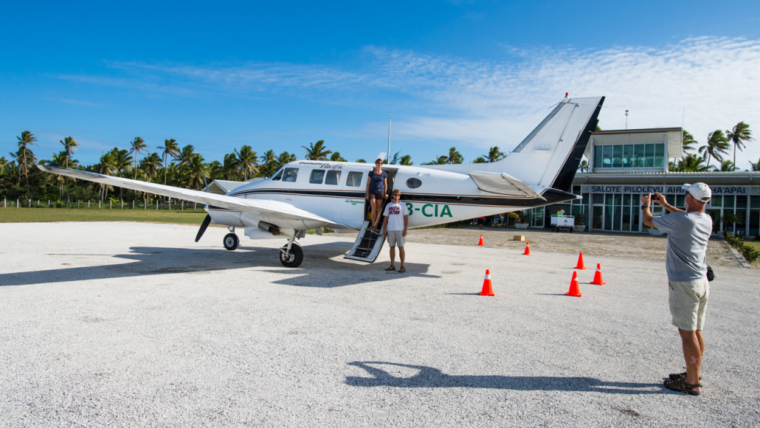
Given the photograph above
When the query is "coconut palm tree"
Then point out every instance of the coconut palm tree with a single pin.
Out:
(69, 147)
(480, 159)
(716, 147)
(150, 164)
(583, 167)
(406, 160)
(285, 158)
(727, 166)
(739, 135)
(24, 141)
(689, 144)
(214, 170)
(494, 154)
(755, 166)
(186, 155)
(3, 170)
(268, 163)
(337, 158)
(60, 159)
(247, 161)
(197, 172)
(361, 161)
(690, 163)
(170, 149)
(454, 156)
(439, 160)
(122, 161)
(137, 146)
(230, 166)
(316, 151)
(105, 167)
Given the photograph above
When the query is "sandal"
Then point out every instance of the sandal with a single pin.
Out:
(402, 270)
(390, 268)
(679, 376)
(682, 386)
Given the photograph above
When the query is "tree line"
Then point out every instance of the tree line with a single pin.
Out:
(164, 164)
(184, 167)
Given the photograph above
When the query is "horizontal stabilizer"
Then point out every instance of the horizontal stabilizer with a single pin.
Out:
(503, 184)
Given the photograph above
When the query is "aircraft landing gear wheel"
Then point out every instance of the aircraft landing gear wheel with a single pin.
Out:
(231, 242)
(292, 259)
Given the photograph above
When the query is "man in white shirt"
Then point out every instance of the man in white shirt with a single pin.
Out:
(395, 222)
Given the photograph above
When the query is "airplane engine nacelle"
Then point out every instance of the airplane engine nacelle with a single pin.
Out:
(268, 231)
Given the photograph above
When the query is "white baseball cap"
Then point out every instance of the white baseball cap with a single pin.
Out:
(700, 191)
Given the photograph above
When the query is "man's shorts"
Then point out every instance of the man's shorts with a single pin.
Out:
(396, 238)
(688, 302)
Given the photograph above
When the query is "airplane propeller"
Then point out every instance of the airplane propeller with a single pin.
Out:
(204, 225)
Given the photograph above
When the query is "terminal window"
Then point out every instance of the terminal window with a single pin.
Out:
(629, 156)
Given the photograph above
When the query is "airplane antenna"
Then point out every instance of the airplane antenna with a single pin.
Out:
(388, 156)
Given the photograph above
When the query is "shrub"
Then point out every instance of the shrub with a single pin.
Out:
(513, 218)
(749, 253)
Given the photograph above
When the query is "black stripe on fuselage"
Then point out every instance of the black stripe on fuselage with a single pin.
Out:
(552, 196)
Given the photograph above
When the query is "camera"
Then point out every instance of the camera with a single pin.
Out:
(654, 197)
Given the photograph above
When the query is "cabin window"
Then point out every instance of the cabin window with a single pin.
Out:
(333, 177)
(354, 179)
(413, 183)
(317, 176)
(290, 175)
(277, 175)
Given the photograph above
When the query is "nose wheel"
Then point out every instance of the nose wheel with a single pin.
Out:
(292, 258)
(231, 242)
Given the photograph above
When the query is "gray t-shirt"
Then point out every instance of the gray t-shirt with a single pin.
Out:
(688, 234)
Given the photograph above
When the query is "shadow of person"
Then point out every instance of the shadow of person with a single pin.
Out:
(429, 377)
(318, 269)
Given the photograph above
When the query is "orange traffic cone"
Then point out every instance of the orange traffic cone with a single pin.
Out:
(598, 276)
(574, 289)
(480, 243)
(487, 289)
(527, 249)
(580, 262)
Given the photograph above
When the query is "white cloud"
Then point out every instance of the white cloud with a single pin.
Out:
(715, 81)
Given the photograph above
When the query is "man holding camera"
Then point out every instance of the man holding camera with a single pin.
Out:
(688, 232)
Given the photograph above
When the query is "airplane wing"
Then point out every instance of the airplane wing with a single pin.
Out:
(283, 210)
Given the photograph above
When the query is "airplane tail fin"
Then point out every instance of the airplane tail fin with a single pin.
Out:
(549, 156)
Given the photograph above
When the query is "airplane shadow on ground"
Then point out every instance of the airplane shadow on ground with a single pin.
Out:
(317, 270)
(429, 377)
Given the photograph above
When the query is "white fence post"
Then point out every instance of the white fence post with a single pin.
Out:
(17, 203)
(133, 204)
(110, 205)
(3, 202)
(156, 204)
(122, 204)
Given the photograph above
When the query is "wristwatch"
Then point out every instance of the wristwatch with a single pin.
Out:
(644, 206)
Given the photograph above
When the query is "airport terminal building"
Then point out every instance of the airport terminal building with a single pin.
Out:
(625, 164)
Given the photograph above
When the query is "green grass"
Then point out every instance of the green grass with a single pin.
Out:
(753, 244)
(45, 215)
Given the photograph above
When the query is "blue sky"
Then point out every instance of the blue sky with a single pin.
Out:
(469, 74)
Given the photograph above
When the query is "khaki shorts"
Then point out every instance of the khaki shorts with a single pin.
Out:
(396, 238)
(688, 302)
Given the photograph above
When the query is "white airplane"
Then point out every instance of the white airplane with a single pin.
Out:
(304, 195)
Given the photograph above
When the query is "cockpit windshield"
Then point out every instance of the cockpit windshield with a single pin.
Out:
(277, 175)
